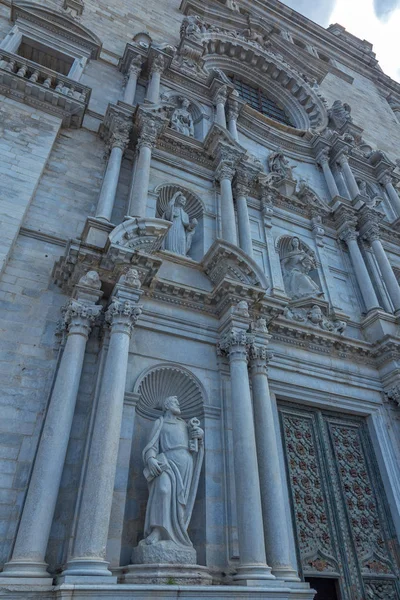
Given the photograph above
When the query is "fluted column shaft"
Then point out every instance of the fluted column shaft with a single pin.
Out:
(89, 551)
(329, 178)
(272, 491)
(245, 241)
(233, 113)
(253, 566)
(133, 74)
(387, 272)
(220, 101)
(393, 195)
(361, 271)
(141, 178)
(153, 88)
(118, 142)
(37, 516)
(224, 175)
(349, 177)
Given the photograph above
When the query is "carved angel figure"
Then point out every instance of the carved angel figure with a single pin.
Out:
(278, 164)
(173, 459)
(296, 266)
(180, 234)
(182, 120)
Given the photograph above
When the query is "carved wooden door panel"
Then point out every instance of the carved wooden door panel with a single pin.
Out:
(342, 524)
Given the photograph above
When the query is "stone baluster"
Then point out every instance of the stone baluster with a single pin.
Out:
(118, 142)
(276, 529)
(387, 182)
(220, 101)
(253, 569)
(323, 161)
(233, 114)
(224, 174)
(133, 74)
(28, 558)
(140, 185)
(372, 235)
(153, 88)
(350, 180)
(241, 191)
(350, 235)
(89, 549)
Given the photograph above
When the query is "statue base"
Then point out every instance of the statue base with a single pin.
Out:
(166, 574)
(164, 552)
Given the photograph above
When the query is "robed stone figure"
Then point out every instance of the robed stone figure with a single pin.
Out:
(180, 234)
(173, 458)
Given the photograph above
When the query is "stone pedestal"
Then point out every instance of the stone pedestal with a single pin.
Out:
(164, 552)
(166, 574)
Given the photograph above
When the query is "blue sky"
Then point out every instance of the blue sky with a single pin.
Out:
(377, 21)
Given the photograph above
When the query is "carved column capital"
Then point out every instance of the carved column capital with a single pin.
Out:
(158, 65)
(233, 106)
(259, 358)
(386, 179)
(235, 343)
(343, 159)
(122, 315)
(221, 95)
(78, 317)
(149, 132)
(393, 395)
(323, 157)
(119, 136)
(348, 233)
(225, 170)
(135, 67)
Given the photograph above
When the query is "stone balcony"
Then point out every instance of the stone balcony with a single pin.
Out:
(47, 90)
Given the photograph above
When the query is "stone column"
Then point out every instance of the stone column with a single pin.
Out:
(323, 161)
(37, 515)
(140, 185)
(387, 182)
(220, 101)
(118, 142)
(349, 177)
(392, 286)
(233, 113)
(272, 489)
(253, 569)
(224, 174)
(133, 74)
(153, 88)
(349, 235)
(89, 549)
(241, 190)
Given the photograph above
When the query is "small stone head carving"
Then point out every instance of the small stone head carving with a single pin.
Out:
(171, 403)
(91, 279)
(131, 278)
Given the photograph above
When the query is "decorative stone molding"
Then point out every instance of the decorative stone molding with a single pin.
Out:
(24, 81)
(313, 316)
(165, 380)
(139, 234)
(393, 395)
(74, 7)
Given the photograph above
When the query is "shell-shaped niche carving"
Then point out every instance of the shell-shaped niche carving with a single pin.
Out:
(193, 207)
(169, 380)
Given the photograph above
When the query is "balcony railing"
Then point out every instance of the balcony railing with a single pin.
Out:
(28, 82)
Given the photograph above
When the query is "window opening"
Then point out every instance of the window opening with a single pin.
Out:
(257, 99)
(45, 56)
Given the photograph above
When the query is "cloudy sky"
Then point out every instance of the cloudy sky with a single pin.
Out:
(377, 21)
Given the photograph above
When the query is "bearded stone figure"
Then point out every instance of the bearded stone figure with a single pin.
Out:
(182, 120)
(173, 458)
(180, 234)
(296, 266)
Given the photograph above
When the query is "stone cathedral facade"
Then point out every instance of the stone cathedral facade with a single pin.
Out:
(200, 304)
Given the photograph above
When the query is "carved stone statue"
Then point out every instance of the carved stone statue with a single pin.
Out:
(296, 266)
(192, 26)
(173, 458)
(182, 120)
(180, 234)
(278, 164)
(339, 114)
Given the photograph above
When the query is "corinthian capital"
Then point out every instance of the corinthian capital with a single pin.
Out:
(225, 170)
(259, 357)
(235, 341)
(149, 132)
(158, 65)
(386, 179)
(343, 159)
(323, 157)
(136, 65)
(122, 315)
(221, 95)
(372, 233)
(119, 137)
(348, 233)
(78, 316)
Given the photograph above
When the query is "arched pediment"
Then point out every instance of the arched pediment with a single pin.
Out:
(61, 24)
(270, 72)
(139, 234)
(226, 261)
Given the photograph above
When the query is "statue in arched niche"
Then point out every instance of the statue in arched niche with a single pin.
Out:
(182, 120)
(180, 234)
(296, 266)
(173, 458)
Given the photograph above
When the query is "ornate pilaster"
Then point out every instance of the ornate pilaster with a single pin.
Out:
(117, 140)
(220, 98)
(234, 343)
(156, 69)
(134, 70)
(346, 224)
(323, 162)
(37, 516)
(88, 553)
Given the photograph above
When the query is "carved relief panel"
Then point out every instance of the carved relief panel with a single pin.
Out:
(342, 523)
